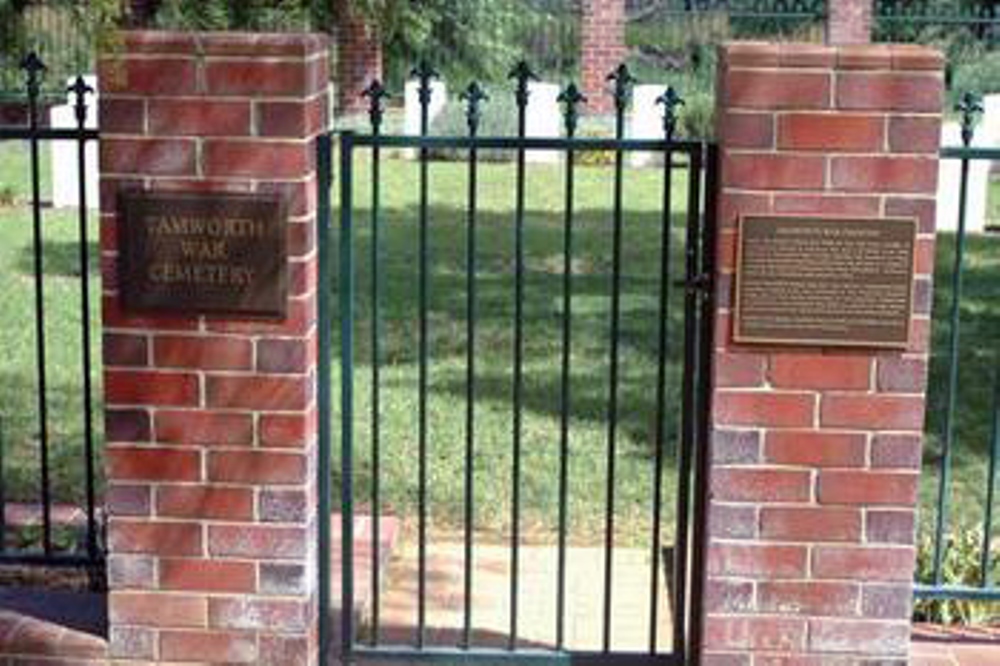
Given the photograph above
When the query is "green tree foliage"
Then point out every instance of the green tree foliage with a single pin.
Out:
(249, 15)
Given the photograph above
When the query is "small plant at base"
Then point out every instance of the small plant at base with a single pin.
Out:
(961, 567)
(8, 197)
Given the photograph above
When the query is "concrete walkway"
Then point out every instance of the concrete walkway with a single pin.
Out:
(955, 646)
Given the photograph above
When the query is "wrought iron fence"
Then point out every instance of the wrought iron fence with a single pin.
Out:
(51, 30)
(85, 549)
(680, 425)
(950, 570)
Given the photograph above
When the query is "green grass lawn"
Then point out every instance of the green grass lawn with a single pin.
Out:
(447, 322)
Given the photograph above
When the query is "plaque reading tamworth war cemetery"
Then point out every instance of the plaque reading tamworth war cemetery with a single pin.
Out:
(217, 253)
(824, 281)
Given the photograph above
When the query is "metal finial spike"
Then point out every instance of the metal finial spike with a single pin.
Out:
(522, 74)
(474, 95)
(34, 67)
(571, 97)
(424, 73)
(970, 106)
(670, 100)
(80, 90)
(376, 95)
(623, 80)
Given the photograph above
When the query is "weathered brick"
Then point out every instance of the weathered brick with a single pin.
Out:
(199, 117)
(815, 448)
(819, 371)
(256, 467)
(164, 389)
(131, 572)
(264, 78)
(866, 487)
(256, 392)
(256, 159)
(733, 521)
(127, 500)
(125, 350)
(757, 560)
(147, 609)
(883, 91)
(757, 89)
(202, 352)
(284, 651)
(760, 485)
(261, 614)
(877, 563)
(739, 370)
(203, 575)
(256, 541)
(215, 647)
(809, 597)
(914, 134)
(291, 119)
(132, 643)
(902, 375)
(127, 425)
(161, 76)
(283, 356)
(155, 157)
(747, 130)
(727, 596)
(282, 579)
(155, 538)
(199, 428)
(831, 132)
(895, 527)
(828, 203)
(884, 174)
(897, 451)
(735, 447)
(872, 412)
(205, 502)
(122, 116)
(769, 171)
(779, 634)
(281, 430)
(774, 409)
(152, 464)
(282, 506)
(891, 602)
(859, 636)
(813, 524)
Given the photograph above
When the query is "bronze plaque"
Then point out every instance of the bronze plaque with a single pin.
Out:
(825, 281)
(218, 253)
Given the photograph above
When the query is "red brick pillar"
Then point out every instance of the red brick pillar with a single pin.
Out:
(359, 59)
(602, 48)
(816, 451)
(211, 421)
(849, 22)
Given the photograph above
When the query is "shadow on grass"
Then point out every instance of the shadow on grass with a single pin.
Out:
(60, 258)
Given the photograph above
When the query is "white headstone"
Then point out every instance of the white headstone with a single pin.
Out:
(411, 105)
(646, 120)
(543, 119)
(950, 178)
(65, 174)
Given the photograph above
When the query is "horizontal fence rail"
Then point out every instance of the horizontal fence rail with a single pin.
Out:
(88, 550)
(940, 580)
(692, 160)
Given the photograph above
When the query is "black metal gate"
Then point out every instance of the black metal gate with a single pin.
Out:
(662, 277)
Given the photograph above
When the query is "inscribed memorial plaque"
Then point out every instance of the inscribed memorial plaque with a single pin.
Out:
(824, 281)
(203, 253)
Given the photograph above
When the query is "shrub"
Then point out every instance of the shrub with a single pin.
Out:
(499, 118)
(8, 197)
(979, 74)
(961, 566)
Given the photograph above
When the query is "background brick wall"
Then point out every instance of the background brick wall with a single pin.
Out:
(816, 451)
(211, 421)
(359, 59)
(602, 48)
(849, 22)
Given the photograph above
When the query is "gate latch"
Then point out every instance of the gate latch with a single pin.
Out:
(698, 283)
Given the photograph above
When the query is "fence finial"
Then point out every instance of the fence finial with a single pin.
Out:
(376, 95)
(522, 74)
(474, 95)
(571, 97)
(33, 67)
(80, 90)
(424, 73)
(670, 100)
(971, 106)
(622, 91)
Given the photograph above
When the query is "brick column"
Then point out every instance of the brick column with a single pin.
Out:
(602, 48)
(359, 59)
(849, 22)
(211, 421)
(816, 451)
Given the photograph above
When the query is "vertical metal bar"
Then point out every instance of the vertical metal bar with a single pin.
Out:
(80, 88)
(376, 93)
(33, 66)
(346, 288)
(571, 97)
(622, 80)
(662, 352)
(702, 450)
(944, 483)
(474, 95)
(425, 74)
(689, 402)
(987, 558)
(324, 466)
(969, 106)
(522, 74)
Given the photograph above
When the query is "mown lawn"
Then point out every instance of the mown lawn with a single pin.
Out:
(399, 254)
